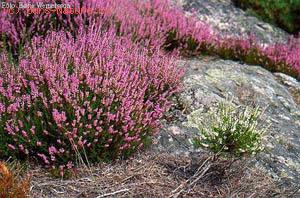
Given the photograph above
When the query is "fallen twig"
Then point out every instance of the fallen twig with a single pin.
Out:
(198, 175)
(113, 193)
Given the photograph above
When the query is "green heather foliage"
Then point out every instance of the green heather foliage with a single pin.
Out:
(229, 130)
(283, 13)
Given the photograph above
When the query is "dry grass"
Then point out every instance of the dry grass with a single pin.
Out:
(10, 184)
(158, 175)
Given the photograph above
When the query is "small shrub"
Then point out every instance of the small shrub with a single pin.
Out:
(10, 185)
(99, 96)
(275, 58)
(229, 130)
(20, 27)
(146, 22)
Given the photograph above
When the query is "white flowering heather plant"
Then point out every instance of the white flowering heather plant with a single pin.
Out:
(233, 131)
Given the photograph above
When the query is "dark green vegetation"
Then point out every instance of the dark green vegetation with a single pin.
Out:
(283, 13)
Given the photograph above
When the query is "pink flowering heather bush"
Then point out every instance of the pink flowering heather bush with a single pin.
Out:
(276, 58)
(100, 96)
(152, 23)
(160, 24)
(21, 25)
(163, 25)
(285, 54)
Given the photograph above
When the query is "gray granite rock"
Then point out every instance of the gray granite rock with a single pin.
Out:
(209, 80)
(226, 19)
(291, 84)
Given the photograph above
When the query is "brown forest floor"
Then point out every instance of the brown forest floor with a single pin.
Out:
(157, 175)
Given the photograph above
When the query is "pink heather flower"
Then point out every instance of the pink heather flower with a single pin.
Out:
(44, 158)
(59, 117)
(11, 146)
(45, 132)
(24, 134)
(32, 130)
(39, 114)
(125, 128)
(53, 158)
(2, 108)
(20, 123)
(110, 117)
(70, 165)
(82, 111)
(140, 145)
(111, 130)
(38, 143)
(34, 90)
(61, 170)
(21, 147)
(95, 122)
(129, 139)
(52, 150)
(74, 147)
(61, 167)
(9, 129)
(13, 108)
(80, 143)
